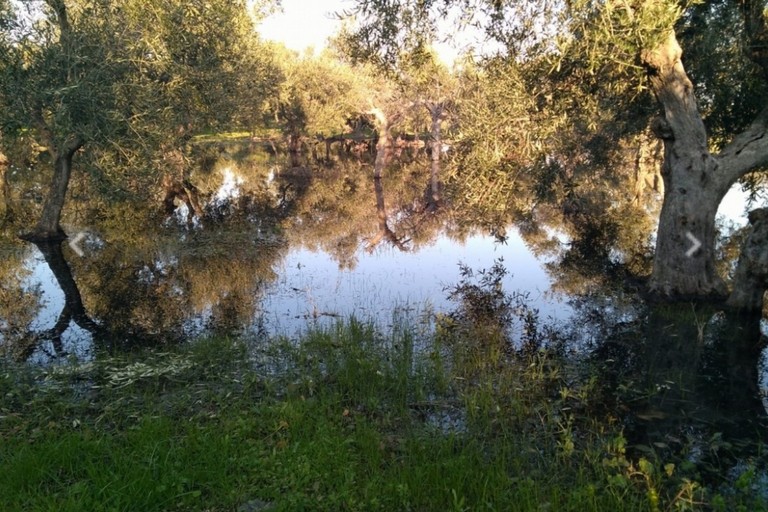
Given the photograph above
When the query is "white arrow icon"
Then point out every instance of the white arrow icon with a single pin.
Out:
(696, 244)
(75, 241)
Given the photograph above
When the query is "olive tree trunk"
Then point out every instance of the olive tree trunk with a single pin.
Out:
(695, 180)
(48, 227)
(5, 191)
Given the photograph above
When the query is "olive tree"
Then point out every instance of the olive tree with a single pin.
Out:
(317, 96)
(57, 78)
(121, 76)
(422, 82)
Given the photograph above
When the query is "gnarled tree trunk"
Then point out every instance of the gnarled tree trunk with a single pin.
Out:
(695, 180)
(688, 211)
(61, 151)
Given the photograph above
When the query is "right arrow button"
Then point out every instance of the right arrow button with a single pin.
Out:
(696, 244)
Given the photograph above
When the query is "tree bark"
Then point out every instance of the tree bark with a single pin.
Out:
(687, 210)
(48, 227)
(695, 180)
(6, 213)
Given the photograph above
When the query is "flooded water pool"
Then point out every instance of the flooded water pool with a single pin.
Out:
(280, 251)
(309, 288)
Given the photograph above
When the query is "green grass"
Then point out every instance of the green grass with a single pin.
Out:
(341, 420)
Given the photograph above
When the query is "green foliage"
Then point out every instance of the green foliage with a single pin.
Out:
(615, 33)
(201, 50)
(130, 79)
(59, 72)
(505, 318)
(384, 31)
(318, 95)
(345, 417)
(496, 139)
(568, 86)
(514, 163)
(730, 87)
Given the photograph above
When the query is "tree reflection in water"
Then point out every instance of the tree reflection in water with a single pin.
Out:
(682, 379)
(72, 310)
(150, 280)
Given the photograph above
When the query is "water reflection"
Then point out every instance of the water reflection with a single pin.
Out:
(384, 232)
(193, 283)
(252, 246)
(72, 309)
(681, 379)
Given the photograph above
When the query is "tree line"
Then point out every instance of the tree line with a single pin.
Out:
(584, 110)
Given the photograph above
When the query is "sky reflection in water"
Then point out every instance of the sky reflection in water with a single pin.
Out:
(305, 287)
(311, 284)
(311, 289)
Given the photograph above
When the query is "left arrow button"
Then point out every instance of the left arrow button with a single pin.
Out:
(75, 243)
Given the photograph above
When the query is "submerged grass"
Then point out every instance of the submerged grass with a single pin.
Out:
(344, 419)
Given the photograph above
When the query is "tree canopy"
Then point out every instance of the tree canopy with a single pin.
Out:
(123, 78)
(577, 108)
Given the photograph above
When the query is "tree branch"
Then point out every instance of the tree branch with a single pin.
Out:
(72, 145)
(748, 151)
(48, 140)
(45, 134)
(60, 8)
